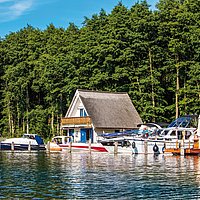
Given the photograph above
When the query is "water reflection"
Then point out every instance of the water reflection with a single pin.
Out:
(98, 176)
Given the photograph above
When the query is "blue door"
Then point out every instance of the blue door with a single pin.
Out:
(86, 134)
(83, 136)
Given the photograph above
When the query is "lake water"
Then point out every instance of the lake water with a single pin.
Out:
(45, 175)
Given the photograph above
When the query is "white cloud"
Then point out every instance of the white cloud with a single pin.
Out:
(20, 7)
(12, 9)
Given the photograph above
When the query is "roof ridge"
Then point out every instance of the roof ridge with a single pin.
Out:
(98, 91)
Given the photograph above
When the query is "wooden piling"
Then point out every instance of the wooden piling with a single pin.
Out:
(145, 147)
(48, 146)
(12, 146)
(182, 149)
(70, 146)
(29, 146)
(116, 148)
(90, 143)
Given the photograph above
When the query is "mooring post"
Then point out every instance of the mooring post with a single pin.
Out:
(145, 147)
(70, 146)
(12, 146)
(29, 146)
(90, 143)
(48, 146)
(182, 149)
(116, 148)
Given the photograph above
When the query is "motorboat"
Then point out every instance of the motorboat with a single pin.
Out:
(151, 140)
(168, 137)
(120, 145)
(26, 142)
(120, 142)
(187, 148)
(65, 143)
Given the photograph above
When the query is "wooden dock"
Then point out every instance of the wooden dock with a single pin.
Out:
(185, 149)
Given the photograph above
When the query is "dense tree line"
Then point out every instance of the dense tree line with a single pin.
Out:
(152, 55)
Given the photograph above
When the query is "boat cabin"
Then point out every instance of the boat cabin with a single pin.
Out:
(62, 139)
(174, 133)
(34, 137)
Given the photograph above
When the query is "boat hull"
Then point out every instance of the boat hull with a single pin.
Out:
(78, 147)
(29, 142)
(134, 146)
(119, 149)
(21, 147)
(148, 146)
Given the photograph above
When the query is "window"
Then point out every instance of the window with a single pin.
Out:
(173, 133)
(82, 113)
(187, 135)
(180, 136)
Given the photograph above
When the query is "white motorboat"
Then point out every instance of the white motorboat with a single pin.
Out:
(152, 144)
(27, 142)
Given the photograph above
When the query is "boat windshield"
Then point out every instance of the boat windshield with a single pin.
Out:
(164, 132)
(185, 121)
(57, 140)
(29, 136)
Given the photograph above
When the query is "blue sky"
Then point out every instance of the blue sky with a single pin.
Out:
(16, 14)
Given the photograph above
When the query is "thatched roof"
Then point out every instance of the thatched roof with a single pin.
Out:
(110, 110)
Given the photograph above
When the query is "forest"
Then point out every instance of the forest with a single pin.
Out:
(153, 55)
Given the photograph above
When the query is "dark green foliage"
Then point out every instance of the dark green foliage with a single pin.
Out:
(152, 55)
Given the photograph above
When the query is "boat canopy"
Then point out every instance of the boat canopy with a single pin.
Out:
(124, 133)
(185, 121)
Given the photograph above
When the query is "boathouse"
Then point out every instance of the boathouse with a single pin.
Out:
(92, 113)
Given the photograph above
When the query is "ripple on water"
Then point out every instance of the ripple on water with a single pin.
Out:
(98, 176)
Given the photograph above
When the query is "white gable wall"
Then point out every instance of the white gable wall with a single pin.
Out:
(75, 112)
(75, 108)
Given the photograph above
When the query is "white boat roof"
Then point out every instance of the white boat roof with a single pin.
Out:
(62, 136)
(30, 134)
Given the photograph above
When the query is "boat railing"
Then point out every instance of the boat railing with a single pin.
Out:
(134, 132)
(178, 144)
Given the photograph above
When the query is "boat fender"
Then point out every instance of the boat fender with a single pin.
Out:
(133, 145)
(155, 148)
(163, 149)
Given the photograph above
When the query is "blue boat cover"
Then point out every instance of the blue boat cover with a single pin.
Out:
(39, 140)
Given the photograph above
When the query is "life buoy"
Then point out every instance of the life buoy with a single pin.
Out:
(133, 145)
(155, 148)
